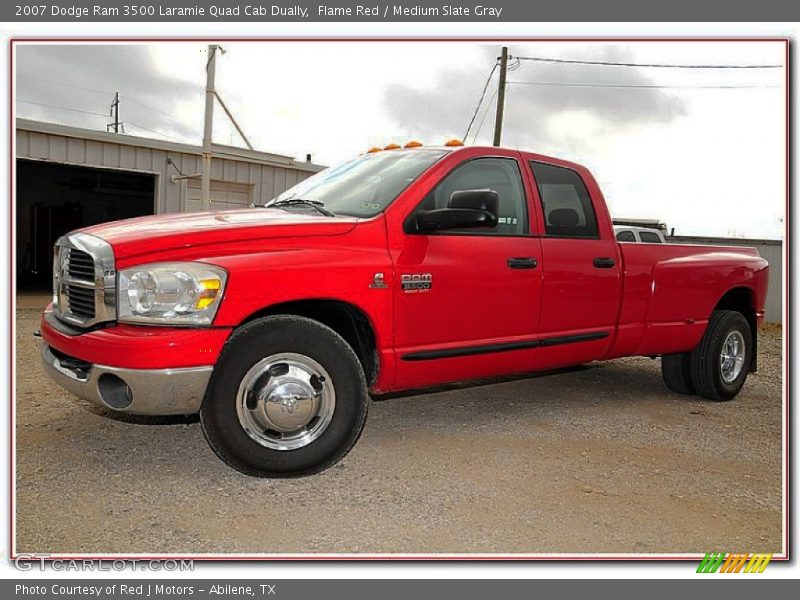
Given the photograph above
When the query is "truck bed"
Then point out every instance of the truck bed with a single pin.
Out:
(669, 291)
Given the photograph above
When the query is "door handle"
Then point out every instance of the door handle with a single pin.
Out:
(522, 263)
(603, 263)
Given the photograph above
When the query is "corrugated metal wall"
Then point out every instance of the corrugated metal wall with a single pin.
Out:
(266, 180)
(771, 250)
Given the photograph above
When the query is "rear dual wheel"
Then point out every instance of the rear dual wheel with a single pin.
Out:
(677, 372)
(717, 368)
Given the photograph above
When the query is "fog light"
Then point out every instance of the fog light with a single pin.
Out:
(114, 392)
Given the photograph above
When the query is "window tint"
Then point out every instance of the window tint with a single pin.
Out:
(626, 236)
(499, 174)
(649, 237)
(565, 201)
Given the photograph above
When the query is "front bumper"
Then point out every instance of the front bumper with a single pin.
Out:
(136, 346)
(136, 391)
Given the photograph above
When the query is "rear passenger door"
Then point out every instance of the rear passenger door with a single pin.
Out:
(580, 270)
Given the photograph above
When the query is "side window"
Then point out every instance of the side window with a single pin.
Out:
(566, 205)
(499, 174)
(649, 237)
(626, 236)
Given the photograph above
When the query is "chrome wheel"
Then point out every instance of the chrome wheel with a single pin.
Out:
(731, 360)
(285, 401)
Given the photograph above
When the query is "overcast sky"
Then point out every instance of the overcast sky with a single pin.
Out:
(702, 150)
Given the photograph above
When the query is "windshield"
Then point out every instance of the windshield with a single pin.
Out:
(362, 187)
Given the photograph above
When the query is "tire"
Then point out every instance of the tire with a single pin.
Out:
(265, 380)
(706, 361)
(677, 373)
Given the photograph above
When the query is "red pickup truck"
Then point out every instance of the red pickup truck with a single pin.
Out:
(401, 269)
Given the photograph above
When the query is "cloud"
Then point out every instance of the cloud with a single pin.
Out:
(334, 99)
(533, 110)
(85, 77)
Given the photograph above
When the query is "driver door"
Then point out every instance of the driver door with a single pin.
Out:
(467, 303)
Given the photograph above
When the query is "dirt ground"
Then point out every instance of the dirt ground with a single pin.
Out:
(602, 459)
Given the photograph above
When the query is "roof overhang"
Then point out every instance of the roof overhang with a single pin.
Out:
(217, 150)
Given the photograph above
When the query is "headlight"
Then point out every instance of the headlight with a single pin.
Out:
(170, 293)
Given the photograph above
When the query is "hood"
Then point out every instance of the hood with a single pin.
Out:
(184, 230)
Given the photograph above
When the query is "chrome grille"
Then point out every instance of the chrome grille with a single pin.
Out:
(84, 280)
(80, 265)
(79, 292)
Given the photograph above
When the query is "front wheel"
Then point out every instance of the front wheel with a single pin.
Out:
(720, 363)
(288, 398)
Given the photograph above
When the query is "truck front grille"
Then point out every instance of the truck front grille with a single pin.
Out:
(80, 265)
(80, 286)
(84, 280)
(80, 301)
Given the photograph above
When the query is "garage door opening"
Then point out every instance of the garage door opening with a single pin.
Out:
(53, 199)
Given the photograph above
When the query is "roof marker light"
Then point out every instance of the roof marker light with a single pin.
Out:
(392, 147)
(373, 150)
(413, 144)
(454, 142)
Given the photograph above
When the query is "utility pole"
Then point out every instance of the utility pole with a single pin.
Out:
(114, 112)
(211, 94)
(501, 97)
(205, 181)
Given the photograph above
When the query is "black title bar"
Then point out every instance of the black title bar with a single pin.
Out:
(401, 11)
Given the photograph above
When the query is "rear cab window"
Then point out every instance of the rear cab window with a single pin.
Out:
(626, 236)
(649, 237)
(566, 205)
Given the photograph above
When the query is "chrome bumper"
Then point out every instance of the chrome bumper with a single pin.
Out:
(135, 391)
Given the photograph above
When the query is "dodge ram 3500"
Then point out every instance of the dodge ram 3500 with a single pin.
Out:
(401, 269)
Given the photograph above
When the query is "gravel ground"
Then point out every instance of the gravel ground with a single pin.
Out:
(602, 459)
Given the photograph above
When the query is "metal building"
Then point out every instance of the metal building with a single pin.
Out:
(771, 250)
(69, 177)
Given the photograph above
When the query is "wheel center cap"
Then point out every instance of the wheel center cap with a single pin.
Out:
(290, 406)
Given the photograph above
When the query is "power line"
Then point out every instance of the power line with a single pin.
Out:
(97, 114)
(483, 95)
(86, 112)
(104, 93)
(483, 118)
(67, 85)
(153, 131)
(604, 63)
(644, 86)
(512, 63)
(151, 107)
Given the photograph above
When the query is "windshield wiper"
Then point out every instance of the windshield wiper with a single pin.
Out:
(315, 204)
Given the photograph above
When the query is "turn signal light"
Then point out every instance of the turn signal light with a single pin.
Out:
(210, 290)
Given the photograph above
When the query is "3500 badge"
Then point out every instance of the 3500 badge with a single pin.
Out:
(416, 283)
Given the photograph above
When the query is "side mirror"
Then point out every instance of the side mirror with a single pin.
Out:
(487, 200)
(466, 209)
